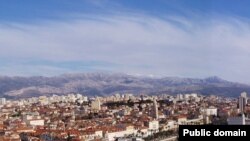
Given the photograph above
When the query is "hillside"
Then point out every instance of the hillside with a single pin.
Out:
(92, 84)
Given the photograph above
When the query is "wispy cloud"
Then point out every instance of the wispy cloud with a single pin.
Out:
(135, 44)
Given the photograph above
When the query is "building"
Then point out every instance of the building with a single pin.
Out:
(43, 100)
(153, 126)
(240, 120)
(35, 122)
(242, 102)
(96, 104)
(116, 134)
(171, 124)
(2, 101)
(189, 96)
(211, 111)
(179, 96)
(90, 134)
(155, 110)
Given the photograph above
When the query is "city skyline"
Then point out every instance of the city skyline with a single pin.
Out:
(153, 38)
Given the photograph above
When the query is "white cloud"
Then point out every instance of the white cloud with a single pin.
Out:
(175, 46)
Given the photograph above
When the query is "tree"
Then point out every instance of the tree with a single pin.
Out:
(69, 138)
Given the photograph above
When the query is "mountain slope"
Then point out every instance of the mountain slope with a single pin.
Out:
(104, 84)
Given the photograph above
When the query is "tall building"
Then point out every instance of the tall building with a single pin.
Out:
(96, 104)
(2, 101)
(179, 96)
(242, 102)
(155, 110)
(73, 116)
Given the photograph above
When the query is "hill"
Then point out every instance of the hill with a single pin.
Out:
(92, 84)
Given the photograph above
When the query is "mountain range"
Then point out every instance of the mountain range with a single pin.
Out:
(100, 84)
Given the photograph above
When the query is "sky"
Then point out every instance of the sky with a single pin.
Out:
(157, 38)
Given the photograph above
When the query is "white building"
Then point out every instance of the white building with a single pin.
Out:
(179, 96)
(43, 100)
(96, 104)
(85, 98)
(189, 96)
(79, 96)
(111, 136)
(242, 101)
(211, 111)
(170, 125)
(35, 122)
(153, 126)
(92, 135)
(155, 110)
(194, 95)
(2, 101)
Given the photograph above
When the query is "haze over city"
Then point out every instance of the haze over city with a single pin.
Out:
(159, 38)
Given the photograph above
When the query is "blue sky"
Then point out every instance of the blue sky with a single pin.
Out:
(30, 10)
(185, 38)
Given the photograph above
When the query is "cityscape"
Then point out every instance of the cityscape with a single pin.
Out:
(120, 117)
(124, 70)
